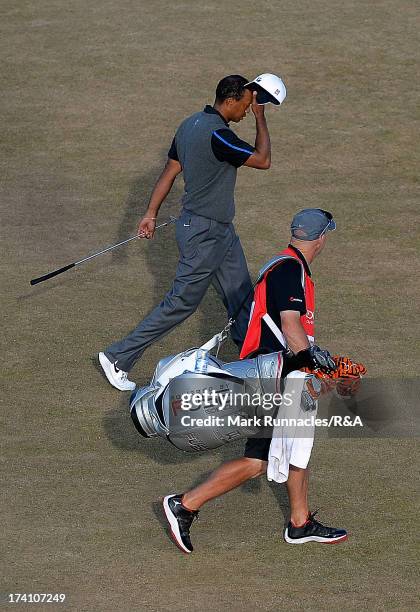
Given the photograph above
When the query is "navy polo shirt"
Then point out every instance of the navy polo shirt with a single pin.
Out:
(225, 144)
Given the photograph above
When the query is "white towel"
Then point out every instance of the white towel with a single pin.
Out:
(286, 446)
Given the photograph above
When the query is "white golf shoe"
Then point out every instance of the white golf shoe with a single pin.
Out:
(117, 378)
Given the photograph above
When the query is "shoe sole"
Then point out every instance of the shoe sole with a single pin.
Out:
(318, 539)
(106, 367)
(173, 524)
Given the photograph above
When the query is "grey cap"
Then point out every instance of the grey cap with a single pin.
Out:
(311, 223)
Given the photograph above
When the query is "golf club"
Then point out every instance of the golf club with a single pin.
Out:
(40, 279)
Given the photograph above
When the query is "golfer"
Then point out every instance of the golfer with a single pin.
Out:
(208, 153)
(282, 318)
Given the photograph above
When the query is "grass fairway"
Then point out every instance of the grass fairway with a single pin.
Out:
(91, 95)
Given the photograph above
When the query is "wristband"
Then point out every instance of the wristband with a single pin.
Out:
(302, 359)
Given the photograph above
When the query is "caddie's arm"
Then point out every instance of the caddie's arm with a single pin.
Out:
(261, 157)
(293, 331)
(304, 355)
(161, 189)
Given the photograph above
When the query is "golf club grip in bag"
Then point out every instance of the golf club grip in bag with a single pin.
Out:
(40, 279)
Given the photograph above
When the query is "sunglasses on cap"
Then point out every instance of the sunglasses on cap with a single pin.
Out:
(331, 226)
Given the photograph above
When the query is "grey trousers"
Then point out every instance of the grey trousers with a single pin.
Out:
(209, 253)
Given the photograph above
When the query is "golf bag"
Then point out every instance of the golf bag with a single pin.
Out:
(160, 408)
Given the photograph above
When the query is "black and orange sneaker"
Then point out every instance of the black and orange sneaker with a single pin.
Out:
(179, 519)
(313, 531)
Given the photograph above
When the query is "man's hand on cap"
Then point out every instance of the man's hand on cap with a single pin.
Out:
(257, 109)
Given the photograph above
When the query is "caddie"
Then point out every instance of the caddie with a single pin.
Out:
(208, 153)
(282, 320)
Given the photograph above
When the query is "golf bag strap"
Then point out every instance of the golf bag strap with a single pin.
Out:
(275, 330)
(221, 336)
(215, 341)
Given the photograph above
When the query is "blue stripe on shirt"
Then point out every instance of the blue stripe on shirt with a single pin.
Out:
(231, 145)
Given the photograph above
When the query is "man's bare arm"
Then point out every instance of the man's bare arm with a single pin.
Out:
(304, 355)
(161, 189)
(292, 328)
(261, 157)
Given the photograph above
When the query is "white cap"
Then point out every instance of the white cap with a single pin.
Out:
(270, 88)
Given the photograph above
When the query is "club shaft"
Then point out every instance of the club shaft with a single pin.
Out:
(40, 279)
(110, 248)
(115, 246)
